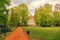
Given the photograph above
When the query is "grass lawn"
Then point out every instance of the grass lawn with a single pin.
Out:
(40, 33)
(43, 33)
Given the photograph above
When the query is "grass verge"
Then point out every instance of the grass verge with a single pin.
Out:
(43, 33)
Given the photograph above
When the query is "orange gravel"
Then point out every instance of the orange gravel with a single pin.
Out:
(18, 34)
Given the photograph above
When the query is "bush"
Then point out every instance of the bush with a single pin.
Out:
(45, 21)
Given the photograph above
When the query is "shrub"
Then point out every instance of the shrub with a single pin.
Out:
(45, 21)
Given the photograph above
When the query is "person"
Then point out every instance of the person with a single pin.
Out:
(28, 32)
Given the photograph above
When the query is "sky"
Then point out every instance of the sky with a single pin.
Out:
(32, 4)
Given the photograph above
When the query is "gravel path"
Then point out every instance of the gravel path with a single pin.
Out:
(17, 34)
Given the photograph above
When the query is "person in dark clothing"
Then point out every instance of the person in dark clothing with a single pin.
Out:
(28, 32)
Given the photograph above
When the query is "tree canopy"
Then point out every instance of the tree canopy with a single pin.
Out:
(19, 15)
(3, 15)
(42, 15)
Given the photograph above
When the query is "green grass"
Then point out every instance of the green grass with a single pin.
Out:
(43, 33)
(40, 33)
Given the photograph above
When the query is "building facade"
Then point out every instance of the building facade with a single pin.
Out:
(57, 7)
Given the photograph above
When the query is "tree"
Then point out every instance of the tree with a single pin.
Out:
(45, 21)
(3, 15)
(47, 8)
(24, 14)
(3, 3)
(56, 18)
(3, 10)
(15, 17)
(42, 15)
(37, 16)
(19, 15)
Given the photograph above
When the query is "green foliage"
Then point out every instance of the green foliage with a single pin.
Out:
(24, 14)
(42, 15)
(45, 21)
(3, 3)
(19, 15)
(37, 17)
(47, 8)
(56, 18)
(14, 17)
(3, 13)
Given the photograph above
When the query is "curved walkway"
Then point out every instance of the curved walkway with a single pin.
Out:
(17, 34)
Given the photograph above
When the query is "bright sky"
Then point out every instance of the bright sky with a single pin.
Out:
(32, 4)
